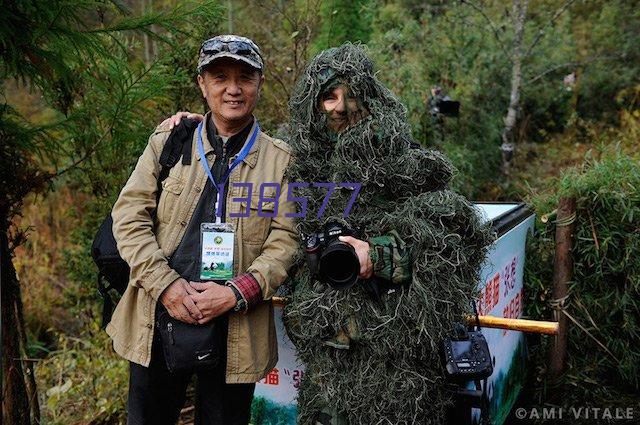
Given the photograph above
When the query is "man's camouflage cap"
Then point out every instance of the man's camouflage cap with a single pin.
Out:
(230, 46)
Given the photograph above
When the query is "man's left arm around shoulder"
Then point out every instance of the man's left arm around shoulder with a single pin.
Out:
(269, 270)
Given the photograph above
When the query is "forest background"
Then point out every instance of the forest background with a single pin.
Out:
(85, 82)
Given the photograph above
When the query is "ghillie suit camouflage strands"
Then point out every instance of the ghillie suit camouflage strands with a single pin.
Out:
(391, 372)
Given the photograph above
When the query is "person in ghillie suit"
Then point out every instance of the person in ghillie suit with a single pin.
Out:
(371, 351)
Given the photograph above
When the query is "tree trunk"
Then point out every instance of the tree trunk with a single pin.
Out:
(15, 400)
(508, 143)
(229, 17)
(562, 274)
(148, 42)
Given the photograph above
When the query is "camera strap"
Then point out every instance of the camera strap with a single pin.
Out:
(475, 312)
(485, 418)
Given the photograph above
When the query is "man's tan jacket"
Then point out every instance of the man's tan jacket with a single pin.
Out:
(264, 247)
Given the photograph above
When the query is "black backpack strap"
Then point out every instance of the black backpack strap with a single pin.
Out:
(178, 144)
(107, 302)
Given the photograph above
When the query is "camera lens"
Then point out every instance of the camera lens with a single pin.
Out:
(339, 265)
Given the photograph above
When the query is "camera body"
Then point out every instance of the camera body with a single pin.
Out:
(442, 105)
(330, 260)
(466, 356)
(448, 107)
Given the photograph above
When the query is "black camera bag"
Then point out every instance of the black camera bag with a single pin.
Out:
(113, 271)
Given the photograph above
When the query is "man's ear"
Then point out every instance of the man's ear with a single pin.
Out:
(260, 83)
(203, 87)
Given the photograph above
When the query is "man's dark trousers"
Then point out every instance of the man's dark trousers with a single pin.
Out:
(156, 396)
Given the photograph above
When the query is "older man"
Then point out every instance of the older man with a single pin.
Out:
(208, 254)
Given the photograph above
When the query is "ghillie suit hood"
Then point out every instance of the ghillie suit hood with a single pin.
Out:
(391, 373)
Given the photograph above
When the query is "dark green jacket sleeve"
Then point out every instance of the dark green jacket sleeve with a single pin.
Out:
(390, 258)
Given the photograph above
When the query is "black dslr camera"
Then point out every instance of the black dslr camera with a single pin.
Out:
(466, 355)
(330, 260)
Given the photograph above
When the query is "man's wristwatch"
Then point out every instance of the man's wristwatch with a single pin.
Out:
(241, 304)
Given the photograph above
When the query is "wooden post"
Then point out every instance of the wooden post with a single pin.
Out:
(562, 274)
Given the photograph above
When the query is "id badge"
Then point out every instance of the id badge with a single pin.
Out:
(216, 242)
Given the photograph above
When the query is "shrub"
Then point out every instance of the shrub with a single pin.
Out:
(83, 382)
(604, 293)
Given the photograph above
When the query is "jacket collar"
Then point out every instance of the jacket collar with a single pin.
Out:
(252, 157)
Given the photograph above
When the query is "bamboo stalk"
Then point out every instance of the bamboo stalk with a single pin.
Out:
(523, 325)
(279, 301)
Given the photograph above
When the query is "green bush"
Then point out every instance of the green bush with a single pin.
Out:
(450, 48)
(84, 381)
(604, 295)
(343, 21)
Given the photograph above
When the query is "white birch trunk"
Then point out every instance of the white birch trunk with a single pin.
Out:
(508, 141)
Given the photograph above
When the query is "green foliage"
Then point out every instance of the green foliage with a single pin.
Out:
(19, 173)
(343, 20)
(604, 293)
(608, 35)
(451, 49)
(122, 99)
(79, 57)
(83, 381)
(467, 51)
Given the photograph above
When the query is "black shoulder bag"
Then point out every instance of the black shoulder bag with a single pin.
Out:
(188, 347)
